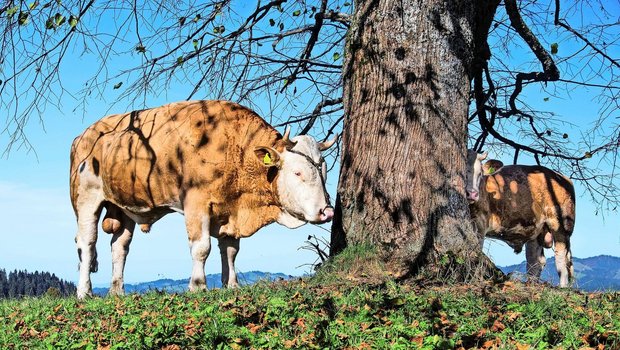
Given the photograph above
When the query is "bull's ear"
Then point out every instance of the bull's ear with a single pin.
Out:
(268, 156)
(327, 144)
(483, 155)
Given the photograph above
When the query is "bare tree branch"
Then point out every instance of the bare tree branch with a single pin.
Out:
(550, 70)
(565, 25)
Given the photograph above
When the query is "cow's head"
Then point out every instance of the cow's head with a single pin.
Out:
(301, 180)
(474, 174)
(476, 171)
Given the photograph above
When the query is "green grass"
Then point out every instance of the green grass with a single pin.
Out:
(310, 314)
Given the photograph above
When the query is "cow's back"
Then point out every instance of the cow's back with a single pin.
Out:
(148, 159)
(529, 196)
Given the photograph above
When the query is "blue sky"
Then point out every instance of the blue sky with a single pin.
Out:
(37, 224)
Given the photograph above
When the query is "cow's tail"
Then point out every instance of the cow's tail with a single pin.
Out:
(567, 208)
(569, 224)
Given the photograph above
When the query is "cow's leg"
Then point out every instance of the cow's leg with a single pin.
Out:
(229, 247)
(535, 257)
(199, 246)
(120, 248)
(86, 240)
(563, 259)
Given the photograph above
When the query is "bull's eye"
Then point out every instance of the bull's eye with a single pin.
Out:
(298, 173)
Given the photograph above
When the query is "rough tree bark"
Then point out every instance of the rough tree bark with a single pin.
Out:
(407, 78)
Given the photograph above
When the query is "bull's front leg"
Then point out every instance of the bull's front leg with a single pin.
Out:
(229, 247)
(120, 248)
(199, 245)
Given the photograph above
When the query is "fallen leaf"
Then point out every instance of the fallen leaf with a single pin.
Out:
(301, 323)
(498, 326)
(487, 344)
(418, 340)
(253, 328)
(513, 316)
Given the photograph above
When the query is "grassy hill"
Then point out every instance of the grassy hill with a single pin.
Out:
(315, 314)
(350, 303)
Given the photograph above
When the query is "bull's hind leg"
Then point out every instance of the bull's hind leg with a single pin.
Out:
(86, 239)
(563, 259)
(87, 199)
(536, 261)
(229, 247)
(120, 248)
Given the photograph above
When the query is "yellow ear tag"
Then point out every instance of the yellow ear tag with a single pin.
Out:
(267, 159)
(491, 170)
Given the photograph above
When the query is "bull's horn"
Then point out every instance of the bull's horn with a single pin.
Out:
(327, 144)
(287, 133)
(483, 155)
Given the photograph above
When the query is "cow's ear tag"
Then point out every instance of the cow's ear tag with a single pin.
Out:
(268, 156)
(491, 170)
(267, 159)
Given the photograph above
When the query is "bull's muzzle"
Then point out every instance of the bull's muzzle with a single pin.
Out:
(472, 195)
(326, 214)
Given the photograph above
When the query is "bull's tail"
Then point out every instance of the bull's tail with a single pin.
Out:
(569, 224)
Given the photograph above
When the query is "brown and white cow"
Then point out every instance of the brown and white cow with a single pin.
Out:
(521, 204)
(218, 163)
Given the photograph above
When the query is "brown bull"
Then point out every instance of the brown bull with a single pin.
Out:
(521, 204)
(218, 163)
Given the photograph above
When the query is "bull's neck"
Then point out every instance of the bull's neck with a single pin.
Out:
(483, 196)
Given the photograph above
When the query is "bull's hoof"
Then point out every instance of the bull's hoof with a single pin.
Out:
(84, 293)
(196, 286)
(232, 285)
(116, 288)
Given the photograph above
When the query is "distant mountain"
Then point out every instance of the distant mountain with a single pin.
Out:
(213, 281)
(598, 273)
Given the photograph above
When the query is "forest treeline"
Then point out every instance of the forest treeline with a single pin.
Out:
(17, 284)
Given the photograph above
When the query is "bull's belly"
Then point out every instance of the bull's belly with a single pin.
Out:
(148, 215)
(515, 237)
(141, 205)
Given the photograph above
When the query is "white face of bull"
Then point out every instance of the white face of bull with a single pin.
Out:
(301, 182)
(474, 175)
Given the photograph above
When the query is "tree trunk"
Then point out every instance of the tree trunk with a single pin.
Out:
(406, 93)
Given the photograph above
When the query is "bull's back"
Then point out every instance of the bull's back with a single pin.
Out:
(149, 158)
(528, 195)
